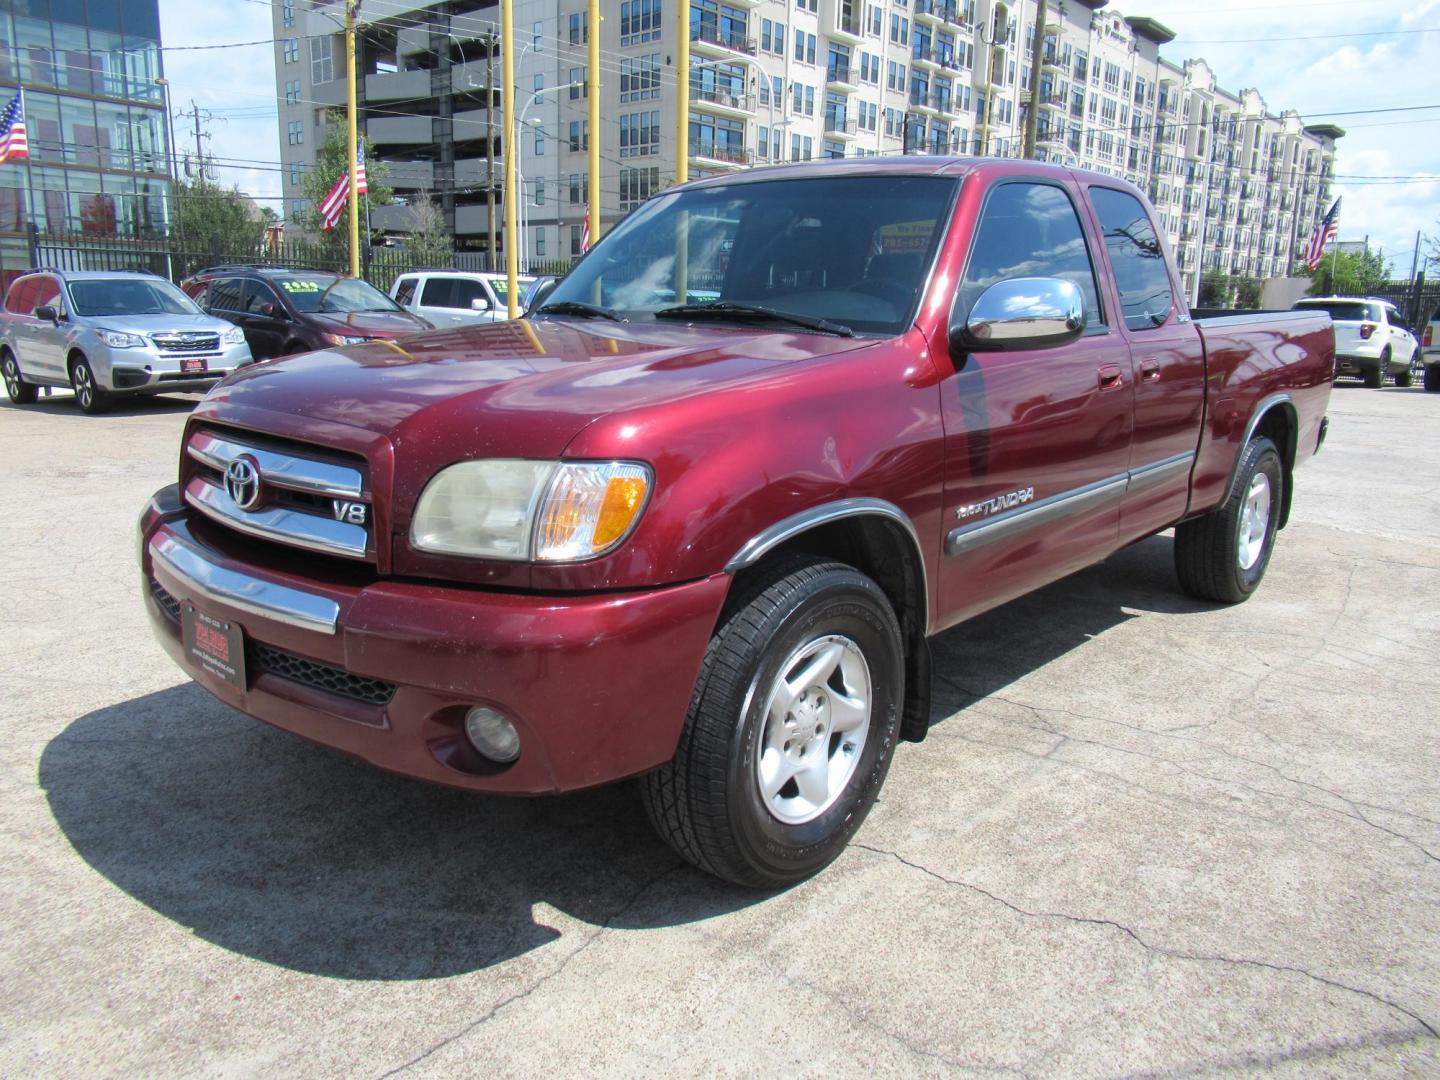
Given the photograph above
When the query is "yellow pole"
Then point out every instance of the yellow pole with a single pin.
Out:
(593, 89)
(682, 96)
(351, 137)
(512, 153)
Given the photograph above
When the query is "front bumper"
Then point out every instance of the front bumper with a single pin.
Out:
(151, 371)
(598, 685)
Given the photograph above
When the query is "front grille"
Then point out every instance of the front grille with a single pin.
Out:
(332, 680)
(186, 342)
(168, 603)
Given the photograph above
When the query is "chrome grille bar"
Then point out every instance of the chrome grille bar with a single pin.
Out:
(309, 531)
(280, 470)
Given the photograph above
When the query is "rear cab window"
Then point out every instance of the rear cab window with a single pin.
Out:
(1137, 259)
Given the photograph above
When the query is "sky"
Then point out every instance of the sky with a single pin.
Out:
(1330, 60)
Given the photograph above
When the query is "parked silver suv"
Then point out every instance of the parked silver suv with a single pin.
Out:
(106, 334)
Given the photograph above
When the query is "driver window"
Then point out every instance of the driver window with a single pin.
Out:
(1029, 230)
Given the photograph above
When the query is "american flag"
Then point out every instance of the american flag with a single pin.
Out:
(12, 130)
(333, 205)
(585, 231)
(1327, 230)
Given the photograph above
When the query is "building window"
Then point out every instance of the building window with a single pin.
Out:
(295, 132)
(640, 78)
(640, 134)
(579, 135)
(579, 83)
(539, 142)
(637, 185)
(297, 170)
(537, 35)
(540, 241)
(804, 47)
(292, 91)
(639, 21)
(575, 240)
(580, 28)
(719, 138)
(290, 49)
(539, 191)
(287, 13)
(322, 60)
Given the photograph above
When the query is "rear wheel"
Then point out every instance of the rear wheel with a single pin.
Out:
(1375, 378)
(1414, 368)
(89, 395)
(20, 392)
(791, 728)
(1223, 555)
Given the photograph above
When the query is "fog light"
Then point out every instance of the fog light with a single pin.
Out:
(492, 735)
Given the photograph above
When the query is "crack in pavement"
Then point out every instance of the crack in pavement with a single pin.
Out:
(1355, 814)
(1160, 950)
(543, 979)
(1319, 1049)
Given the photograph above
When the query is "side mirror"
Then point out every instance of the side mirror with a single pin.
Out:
(479, 304)
(48, 313)
(540, 291)
(1022, 313)
(268, 310)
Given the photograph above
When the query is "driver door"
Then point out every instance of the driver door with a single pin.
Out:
(1037, 441)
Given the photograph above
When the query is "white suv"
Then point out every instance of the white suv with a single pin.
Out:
(1371, 338)
(454, 297)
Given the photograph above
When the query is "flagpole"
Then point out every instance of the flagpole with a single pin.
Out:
(350, 135)
(31, 229)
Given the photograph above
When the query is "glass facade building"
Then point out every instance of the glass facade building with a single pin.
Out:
(95, 119)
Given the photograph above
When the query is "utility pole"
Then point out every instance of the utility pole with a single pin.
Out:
(490, 149)
(199, 136)
(1032, 119)
(351, 136)
(594, 121)
(507, 66)
(682, 97)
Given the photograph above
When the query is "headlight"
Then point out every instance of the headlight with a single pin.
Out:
(233, 336)
(117, 339)
(341, 339)
(544, 511)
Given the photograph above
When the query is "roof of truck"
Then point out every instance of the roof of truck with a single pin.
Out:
(905, 165)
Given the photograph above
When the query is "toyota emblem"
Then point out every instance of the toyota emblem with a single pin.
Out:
(242, 481)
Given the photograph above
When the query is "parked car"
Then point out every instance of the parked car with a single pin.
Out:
(456, 297)
(1430, 353)
(1372, 339)
(706, 543)
(110, 334)
(292, 311)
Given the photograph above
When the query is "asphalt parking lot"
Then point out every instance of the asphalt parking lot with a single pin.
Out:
(1145, 837)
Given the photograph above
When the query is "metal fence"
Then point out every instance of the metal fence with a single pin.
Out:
(177, 259)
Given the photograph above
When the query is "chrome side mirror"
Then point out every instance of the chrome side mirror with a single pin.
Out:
(1022, 313)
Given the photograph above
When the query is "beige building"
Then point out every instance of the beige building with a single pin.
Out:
(1238, 185)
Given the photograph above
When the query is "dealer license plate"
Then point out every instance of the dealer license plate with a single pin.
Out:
(192, 363)
(217, 646)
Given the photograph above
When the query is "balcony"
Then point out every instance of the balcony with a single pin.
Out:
(837, 123)
(722, 101)
(941, 11)
(924, 99)
(714, 40)
(400, 130)
(397, 85)
(925, 52)
(723, 157)
(841, 77)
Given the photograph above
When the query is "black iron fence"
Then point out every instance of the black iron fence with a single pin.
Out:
(176, 258)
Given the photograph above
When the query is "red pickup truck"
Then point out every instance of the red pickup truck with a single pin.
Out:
(694, 519)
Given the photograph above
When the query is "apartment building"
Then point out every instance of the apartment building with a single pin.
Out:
(789, 80)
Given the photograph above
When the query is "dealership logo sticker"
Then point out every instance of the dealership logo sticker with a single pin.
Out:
(242, 482)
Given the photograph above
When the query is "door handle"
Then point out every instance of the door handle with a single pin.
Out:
(1149, 370)
(1112, 377)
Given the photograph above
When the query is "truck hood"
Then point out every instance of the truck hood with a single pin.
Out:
(519, 389)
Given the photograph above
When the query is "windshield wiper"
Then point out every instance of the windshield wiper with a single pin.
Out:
(754, 311)
(578, 307)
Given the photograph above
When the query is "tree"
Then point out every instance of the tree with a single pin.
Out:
(428, 243)
(316, 183)
(1247, 292)
(1349, 273)
(210, 216)
(1215, 290)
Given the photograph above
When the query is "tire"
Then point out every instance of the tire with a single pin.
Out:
(20, 392)
(731, 801)
(1432, 378)
(1407, 377)
(1222, 556)
(1376, 379)
(89, 395)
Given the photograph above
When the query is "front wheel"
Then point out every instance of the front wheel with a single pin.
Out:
(1223, 555)
(19, 391)
(89, 395)
(791, 728)
(1407, 377)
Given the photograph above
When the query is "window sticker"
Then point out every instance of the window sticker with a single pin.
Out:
(301, 286)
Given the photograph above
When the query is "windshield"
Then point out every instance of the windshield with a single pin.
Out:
(129, 296)
(1343, 311)
(333, 293)
(852, 249)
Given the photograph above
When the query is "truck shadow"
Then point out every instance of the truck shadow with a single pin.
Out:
(298, 856)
